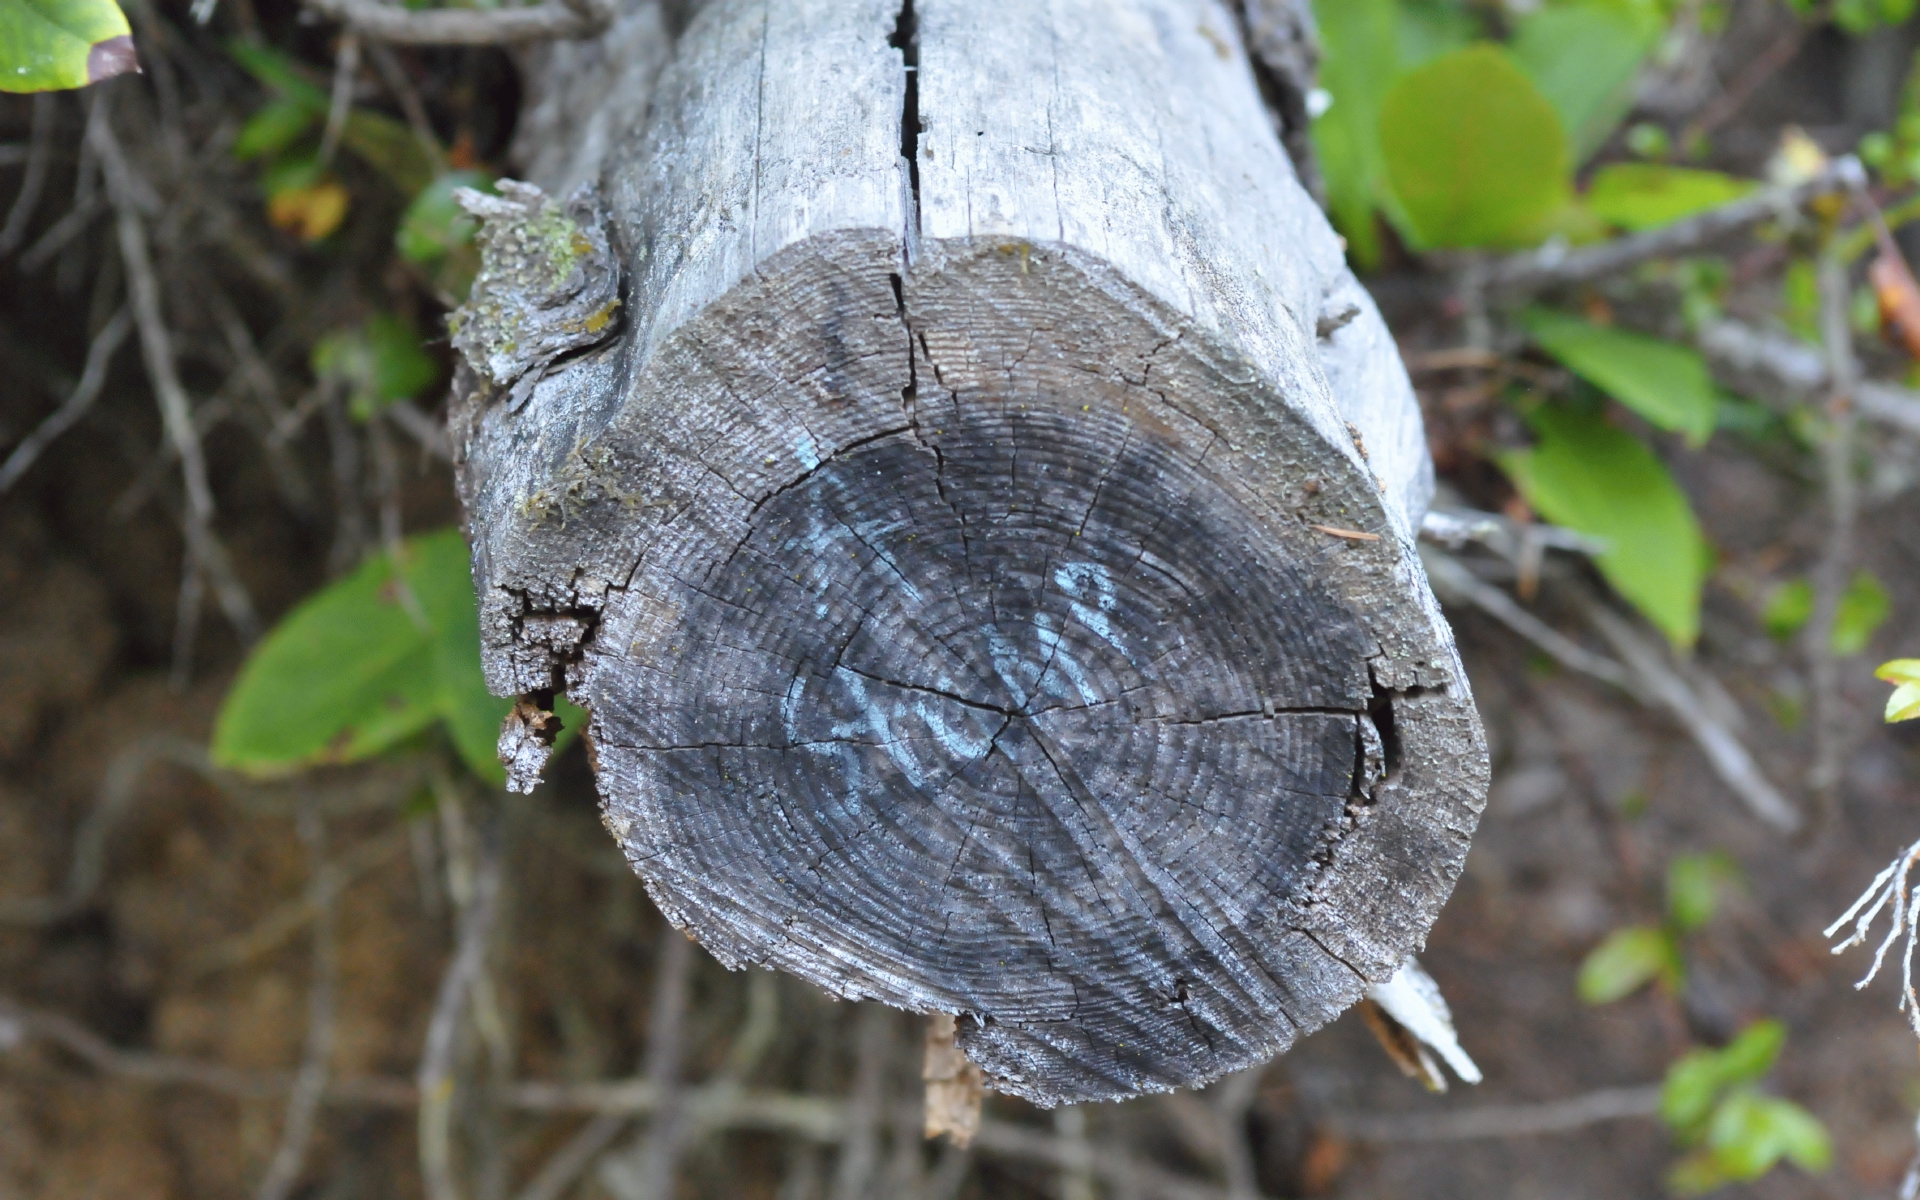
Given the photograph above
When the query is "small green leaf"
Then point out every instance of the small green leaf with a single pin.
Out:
(46, 45)
(1904, 674)
(1864, 607)
(1694, 886)
(1590, 477)
(1474, 153)
(1638, 196)
(348, 674)
(1697, 1174)
(1584, 56)
(1750, 1133)
(1358, 65)
(434, 225)
(1626, 961)
(289, 77)
(379, 363)
(1669, 385)
(1687, 1096)
(1788, 610)
(1752, 1052)
(1900, 670)
(275, 127)
(440, 570)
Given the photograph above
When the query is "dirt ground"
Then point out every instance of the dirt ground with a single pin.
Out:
(194, 950)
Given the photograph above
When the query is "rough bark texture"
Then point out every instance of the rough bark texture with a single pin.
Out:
(985, 539)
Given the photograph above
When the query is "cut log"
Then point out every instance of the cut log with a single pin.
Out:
(951, 461)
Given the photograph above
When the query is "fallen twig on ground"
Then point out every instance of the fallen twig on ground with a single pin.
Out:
(1503, 1120)
(93, 377)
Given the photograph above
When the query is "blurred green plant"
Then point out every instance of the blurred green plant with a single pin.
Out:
(1864, 607)
(1904, 675)
(1735, 1132)
(379, 362)
(367, 665)
(52, 45)
(1630, 958)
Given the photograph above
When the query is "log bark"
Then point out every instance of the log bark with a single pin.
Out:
(949, 458)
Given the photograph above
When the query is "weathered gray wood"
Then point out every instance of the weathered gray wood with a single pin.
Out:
(985, 541)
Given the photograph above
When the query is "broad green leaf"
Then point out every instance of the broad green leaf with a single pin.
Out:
(1596, 479)
(347, 674)
(1900, 670)
(47, 45)
(1694, 886)
(1583, 56)
(275, 127)
(1667, 384)
(440, 570)
(1626, 961)
(1638, 196)
(1474, 152)
(1864, 607)
(1359, 62)
(1788, 609)
(1431, 28)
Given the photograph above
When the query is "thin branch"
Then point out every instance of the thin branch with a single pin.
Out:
(435, 1078)
(1453, 581)
(310, 1083)
(346, 67)
(1783, 364)
(39, 158)
(1502, 1120)
(156, 344)
(465, 26)
(859, 1151)
(1076, 1177)
(1756, 72)
(1889, 892)
(93, 377)
(645, 1172)
(420, 427)
(559, 1172)
(1555, 265)
(1843, 506)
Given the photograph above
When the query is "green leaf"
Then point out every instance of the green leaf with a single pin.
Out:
(379, 362)
(1431, 28)
(1358, 64)
(434, 225)
(1667, 384)
(1750, 1133)
(275, 127)
(1474, 152)
(289, 77)
(1788, 610)
(1904, 674)
(440, 570)
(1626, 961)
(1687, 1095)
(47, 45)
(389, 147)
(1752, 1052)
(1583, 56)
(1694, 885)
(1596, 479)
(366, 664)
(1697, 1174)
(348, 674)
(1638, 196)
(1864, 607)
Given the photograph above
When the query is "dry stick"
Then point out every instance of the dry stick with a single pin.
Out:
(1800, 370)
(274, 929)
(873, 1037)
(1503, 1120)
(1453, 581)
(186, 623)
(346, 66)
(1231, 1098)
(465, 27)
(1555, 265)
(156, 346)
(1843, 505)
(310, 1084)
(63, 231)
(1076, 1178)
(435, 1078)
(431, 434)
(93, 377)
(558, 1173)
(39, 157)
(646, 1172)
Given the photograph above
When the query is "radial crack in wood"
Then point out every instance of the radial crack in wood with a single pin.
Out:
(985, 546)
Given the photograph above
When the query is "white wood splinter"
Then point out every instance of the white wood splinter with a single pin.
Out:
(950, 459)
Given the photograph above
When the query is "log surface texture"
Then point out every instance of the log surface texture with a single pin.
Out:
(952, 462)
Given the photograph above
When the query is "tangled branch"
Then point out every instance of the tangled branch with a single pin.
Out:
(1889, 890)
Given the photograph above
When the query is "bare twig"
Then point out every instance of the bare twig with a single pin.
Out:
(346, 68)
(1503, 1120)
(873, 1037)
(465, 26)
(274, 929)
(1889, 891)
(310, 1083)
(93, 377)
(1076, 1176)
(1230, 1099)
(1843, 506)
(645, 1172)
(1757, 71)
(157, 348)
(1555, 265)
(1775, 362)
(394, 75)
(435, 1079)
(559, 1172)
(61, 233)
(420, 427)
(1453, 581)
(39, 157)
